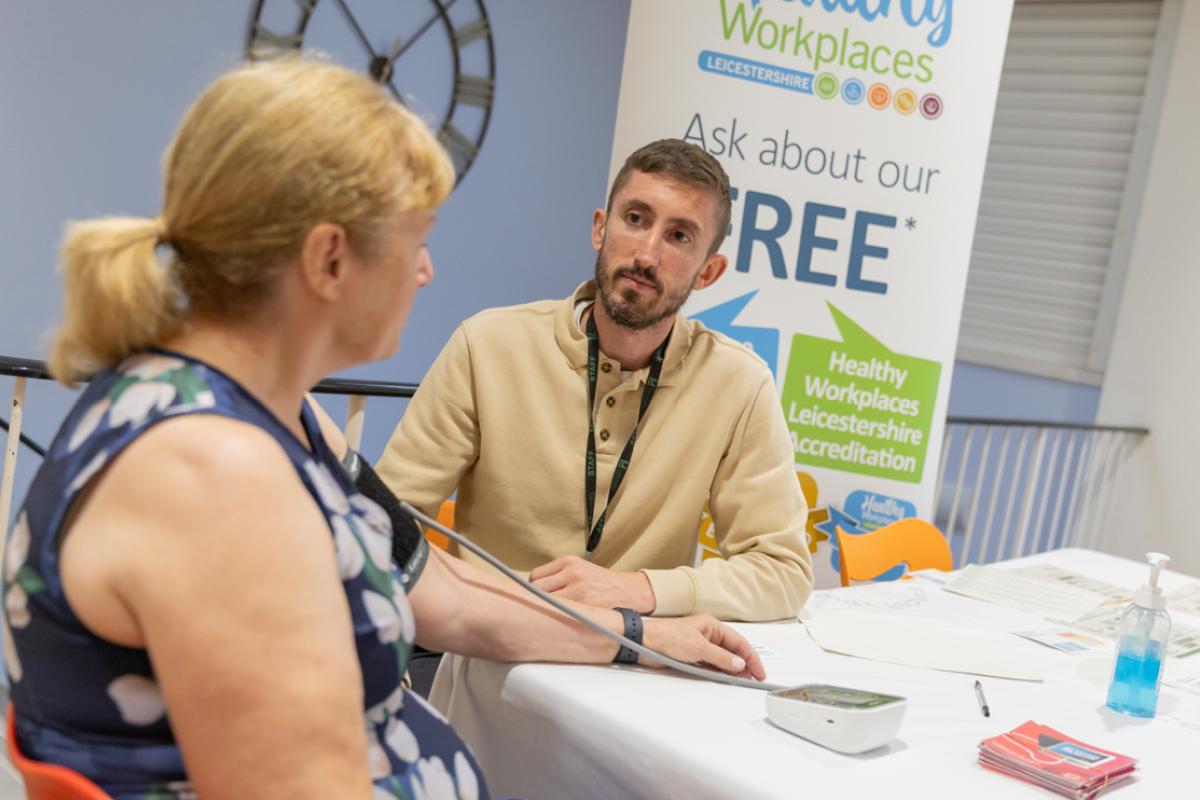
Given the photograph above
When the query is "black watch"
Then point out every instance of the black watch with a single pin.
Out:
(633, 631)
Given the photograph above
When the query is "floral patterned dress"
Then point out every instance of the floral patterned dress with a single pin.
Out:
(95, 707)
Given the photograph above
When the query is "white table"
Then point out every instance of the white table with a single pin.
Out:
(544, 731)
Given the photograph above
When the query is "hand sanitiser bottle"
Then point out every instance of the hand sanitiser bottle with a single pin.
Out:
(1144, 630)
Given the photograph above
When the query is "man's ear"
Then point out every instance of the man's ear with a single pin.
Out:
(714, 268)
(599, 221)
(323, 260)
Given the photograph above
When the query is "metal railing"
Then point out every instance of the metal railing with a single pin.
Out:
(1005, 488)
(1010, 488)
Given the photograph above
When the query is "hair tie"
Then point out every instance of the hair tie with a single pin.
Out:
(160, 231)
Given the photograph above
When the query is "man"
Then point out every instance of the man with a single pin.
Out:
(680, 415)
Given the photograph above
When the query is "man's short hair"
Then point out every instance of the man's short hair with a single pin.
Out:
(684, 162)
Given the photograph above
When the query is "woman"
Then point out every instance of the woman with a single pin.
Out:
(191, 549)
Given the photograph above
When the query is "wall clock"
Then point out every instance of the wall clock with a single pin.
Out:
(436, 57)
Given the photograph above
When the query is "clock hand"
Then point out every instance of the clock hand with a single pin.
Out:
(396, 53)
(378, 62)
(362, 37)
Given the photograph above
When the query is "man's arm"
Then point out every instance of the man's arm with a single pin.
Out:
(437, 439)
(759, 514)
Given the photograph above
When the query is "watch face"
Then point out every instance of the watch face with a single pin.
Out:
(436, 57)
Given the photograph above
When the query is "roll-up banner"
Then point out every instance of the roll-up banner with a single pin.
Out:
(855, 134)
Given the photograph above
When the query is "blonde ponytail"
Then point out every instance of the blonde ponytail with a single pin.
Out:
(118, 298)
(264, 154)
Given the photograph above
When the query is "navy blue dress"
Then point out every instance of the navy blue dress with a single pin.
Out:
(95, 706)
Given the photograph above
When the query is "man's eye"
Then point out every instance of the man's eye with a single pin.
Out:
(634, 217)
(683, 237)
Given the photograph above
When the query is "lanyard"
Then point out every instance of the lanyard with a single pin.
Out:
(589, 471)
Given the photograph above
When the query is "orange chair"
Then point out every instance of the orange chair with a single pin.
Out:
(445, 516)
(49, 781)
(912, 541)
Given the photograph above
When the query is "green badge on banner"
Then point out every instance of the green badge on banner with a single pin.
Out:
(854, 405)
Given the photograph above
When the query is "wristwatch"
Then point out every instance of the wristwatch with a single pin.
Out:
(633, 631)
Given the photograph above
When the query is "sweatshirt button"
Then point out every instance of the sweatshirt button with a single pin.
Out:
(604, 436)
(610, 401)
(606, 367)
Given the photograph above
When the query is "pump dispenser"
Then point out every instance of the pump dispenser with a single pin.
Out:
(1143, 633)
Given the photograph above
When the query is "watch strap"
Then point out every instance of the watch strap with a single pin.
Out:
(634, 627)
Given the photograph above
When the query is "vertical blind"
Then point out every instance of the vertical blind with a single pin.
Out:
(1071, 89)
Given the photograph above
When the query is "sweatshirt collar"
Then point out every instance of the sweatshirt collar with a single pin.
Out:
(573, 342)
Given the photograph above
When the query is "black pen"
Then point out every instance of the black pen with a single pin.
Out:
(982, 700)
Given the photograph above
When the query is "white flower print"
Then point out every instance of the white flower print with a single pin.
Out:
(384, 616)
(87, 424)
(376, 516)
(432, 711)
(432, 781)
(138, 699)
(12, 662)
(400, 739)
(205, 399)
(18, 547)
(331, 494)
(378, 543)
(379, 712)
(349, 552)
(377, 760)
(88, 472)
(184, 789)
(16, 603)
(149, 366)
(464, 774)
(139, 400)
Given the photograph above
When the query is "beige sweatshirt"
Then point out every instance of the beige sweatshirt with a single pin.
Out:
(502, 416)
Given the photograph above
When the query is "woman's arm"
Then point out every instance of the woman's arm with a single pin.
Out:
(463, 609)
(217, 561)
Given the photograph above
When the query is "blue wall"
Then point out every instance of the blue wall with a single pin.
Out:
(91, 93)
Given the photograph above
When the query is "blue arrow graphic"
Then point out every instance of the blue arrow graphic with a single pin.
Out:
(763, 341)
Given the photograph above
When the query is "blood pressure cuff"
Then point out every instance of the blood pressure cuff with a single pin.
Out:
(410, 550)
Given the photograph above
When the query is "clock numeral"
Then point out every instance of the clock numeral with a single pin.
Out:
(267, 43)
(469, 33)
(474, 90)
(457, 143)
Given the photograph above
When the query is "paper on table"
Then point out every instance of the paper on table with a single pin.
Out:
(886, 595)
(1105, 620)
(1066, 641)
(1050, 599)
(1065, 577)
(917, 642)
(1185, 600)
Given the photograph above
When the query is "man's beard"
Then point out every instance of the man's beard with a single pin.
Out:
(622, 307)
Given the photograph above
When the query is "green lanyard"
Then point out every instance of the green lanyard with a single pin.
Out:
(589, 471)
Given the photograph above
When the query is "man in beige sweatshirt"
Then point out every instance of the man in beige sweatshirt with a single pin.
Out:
(607, 513)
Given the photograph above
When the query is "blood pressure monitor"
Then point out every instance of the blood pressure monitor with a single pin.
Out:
(842, 719)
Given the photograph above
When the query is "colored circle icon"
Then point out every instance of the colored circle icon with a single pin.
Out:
(853, 91)
(906, 101)
(931, 106)
(826, 85)
(879, 96)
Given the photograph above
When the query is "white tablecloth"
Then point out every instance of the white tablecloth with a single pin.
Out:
(545, 731)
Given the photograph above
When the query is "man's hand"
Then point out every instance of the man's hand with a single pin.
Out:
(702, 640)
(573, 578)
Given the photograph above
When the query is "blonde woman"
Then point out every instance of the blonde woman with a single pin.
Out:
(197, 599)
